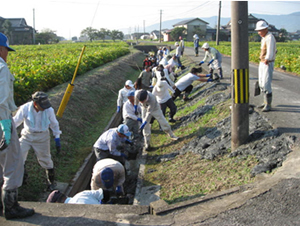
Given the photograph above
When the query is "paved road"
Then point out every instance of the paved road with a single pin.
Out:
(285, 114)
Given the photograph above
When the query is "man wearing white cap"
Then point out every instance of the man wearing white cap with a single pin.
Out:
(216, 59)
(11, 161)
(266, 64)
(107, 144)
(122, 96)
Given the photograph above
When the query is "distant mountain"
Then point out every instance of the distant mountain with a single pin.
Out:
(290, 22)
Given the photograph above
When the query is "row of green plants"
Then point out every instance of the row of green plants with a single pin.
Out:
(287, 53)
(42, 67)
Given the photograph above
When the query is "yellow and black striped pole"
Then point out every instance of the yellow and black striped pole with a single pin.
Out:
(69, 89)
(240, 74)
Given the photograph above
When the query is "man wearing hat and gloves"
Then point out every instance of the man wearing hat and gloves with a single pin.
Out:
(37, 116)
(11, 161)
(107, 144)
(131, 119)
(151, 108)
(216, 59)
(266, 64)
(122, 96)
(109, 175)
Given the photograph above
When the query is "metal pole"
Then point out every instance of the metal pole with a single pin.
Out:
(160, 27)
(218, 26)
(33, 31)
(240, 73)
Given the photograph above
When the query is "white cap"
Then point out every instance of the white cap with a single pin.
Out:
(205, 46)
(176, 44)
(195, 36)
(260, 25)
(129, 83)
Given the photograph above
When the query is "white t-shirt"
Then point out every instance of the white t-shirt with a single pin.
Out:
(185, 81)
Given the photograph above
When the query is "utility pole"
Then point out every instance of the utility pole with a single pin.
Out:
(240, 74)
(33, 31)
(144, 28)
(160, 26)
(218, 26)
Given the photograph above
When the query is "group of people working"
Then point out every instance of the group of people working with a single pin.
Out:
(139, 102)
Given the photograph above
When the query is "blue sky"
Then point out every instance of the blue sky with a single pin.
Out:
(69, 17)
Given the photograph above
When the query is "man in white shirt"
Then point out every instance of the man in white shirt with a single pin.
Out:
(131, 119)
(84, 197)
(184, 84)
(37, 116)
(266, 64)
(122, 95)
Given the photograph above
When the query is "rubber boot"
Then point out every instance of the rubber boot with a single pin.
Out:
(172, 135)
(216, 77)
(185, 96)
(268, 102)
(11, 207)
(220, 72)
(50, 179)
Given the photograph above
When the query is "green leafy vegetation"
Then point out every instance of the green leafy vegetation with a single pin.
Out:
(41, 67)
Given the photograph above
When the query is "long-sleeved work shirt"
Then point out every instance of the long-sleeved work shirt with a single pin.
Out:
(7, 103)
(122, 96)
(268, 48)
(110, 140)
(37, 121)
(129, 111)
(86, 197)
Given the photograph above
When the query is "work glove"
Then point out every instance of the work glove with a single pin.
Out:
(57, 145)
(139, 120)
(143, 125)
(135, 109)
(210, 62)
(119, 191)
(202, 62)
(6, 128)
(127, 141)
(118, 109)
(209, 80)
(124, 156)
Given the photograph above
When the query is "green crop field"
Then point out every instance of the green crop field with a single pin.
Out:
(41, 67)
(288, 53)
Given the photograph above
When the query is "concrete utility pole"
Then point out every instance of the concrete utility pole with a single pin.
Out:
(240, 73)
(218, 26)
(33, 31)
(160, 26)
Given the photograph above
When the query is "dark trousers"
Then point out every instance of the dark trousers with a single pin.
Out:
(171, 105)
(187, 91)
(103, 154)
